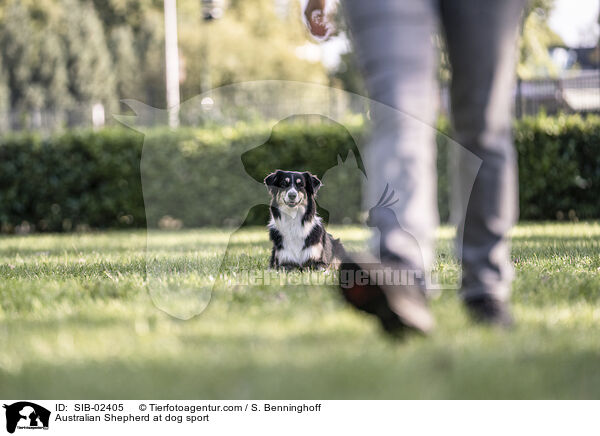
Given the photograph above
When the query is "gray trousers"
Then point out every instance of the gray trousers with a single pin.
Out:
(394, 43)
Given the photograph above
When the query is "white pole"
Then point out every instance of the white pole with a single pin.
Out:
(172, 62)
(98, 115)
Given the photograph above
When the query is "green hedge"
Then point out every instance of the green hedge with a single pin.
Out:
(89, 179)
(71, 181)
(559, 167)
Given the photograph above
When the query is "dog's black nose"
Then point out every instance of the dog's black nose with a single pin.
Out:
(292, 195)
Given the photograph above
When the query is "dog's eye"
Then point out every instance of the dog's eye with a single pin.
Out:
(299, 182)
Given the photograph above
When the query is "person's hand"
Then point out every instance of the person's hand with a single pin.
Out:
(316, 19)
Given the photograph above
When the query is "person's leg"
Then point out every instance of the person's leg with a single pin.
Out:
(481, 37)
(393, 43)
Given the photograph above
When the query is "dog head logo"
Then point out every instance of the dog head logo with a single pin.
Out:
(26, 415)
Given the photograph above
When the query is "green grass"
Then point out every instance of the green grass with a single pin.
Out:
(77, 321)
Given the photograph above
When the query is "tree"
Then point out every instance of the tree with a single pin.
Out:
(126, 62)
(65, 55)
(252, 41)
(140, 21)
(48, 70)
(4, 101)
(89, 65)
(348, 75)
(16, 43)
(537, 37)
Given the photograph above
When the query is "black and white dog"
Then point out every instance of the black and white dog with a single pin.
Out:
(298, 235)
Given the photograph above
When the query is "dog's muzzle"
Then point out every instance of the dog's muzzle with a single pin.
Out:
(291, 197)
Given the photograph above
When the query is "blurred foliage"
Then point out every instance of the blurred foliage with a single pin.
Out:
(252, 41)
(32, 83)
(90, 71)
(348, 74)
(536, 38)
(4, 98)
(92, 179)
(62, 55)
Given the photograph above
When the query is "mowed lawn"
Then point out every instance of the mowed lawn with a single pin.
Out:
(77, 321)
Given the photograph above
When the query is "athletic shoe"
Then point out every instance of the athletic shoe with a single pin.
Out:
(388, 290)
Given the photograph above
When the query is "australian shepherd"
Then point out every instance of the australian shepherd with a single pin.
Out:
(297, 232)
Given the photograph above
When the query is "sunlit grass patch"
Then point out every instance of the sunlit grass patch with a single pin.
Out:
(77, 321)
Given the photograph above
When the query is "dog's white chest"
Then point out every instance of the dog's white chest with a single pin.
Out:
(293, 234)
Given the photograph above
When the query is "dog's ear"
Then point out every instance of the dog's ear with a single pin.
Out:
(312, 182)
(271, 179)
